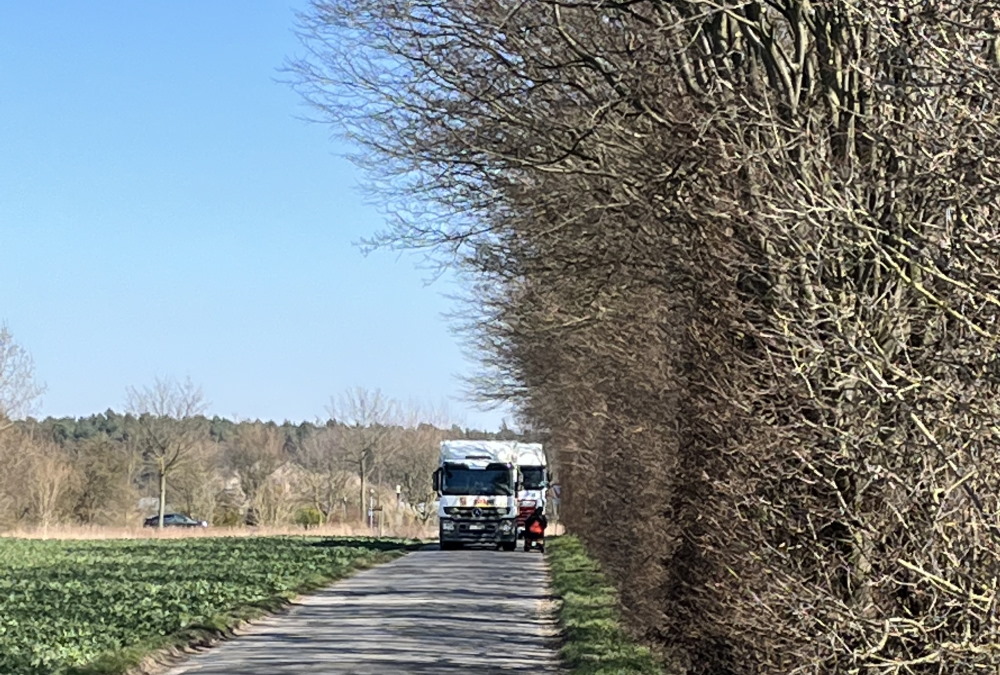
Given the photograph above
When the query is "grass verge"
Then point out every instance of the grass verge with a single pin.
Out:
(595, 642)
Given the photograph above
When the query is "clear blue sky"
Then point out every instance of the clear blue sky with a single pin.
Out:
(164, 212)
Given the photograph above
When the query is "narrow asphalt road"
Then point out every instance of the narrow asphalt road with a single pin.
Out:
(469, 611)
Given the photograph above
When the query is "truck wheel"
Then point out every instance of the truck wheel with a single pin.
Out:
(450, 545)
(508, 545)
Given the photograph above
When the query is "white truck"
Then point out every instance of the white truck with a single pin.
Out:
(535, 479)
(483, 495)
(477, 484)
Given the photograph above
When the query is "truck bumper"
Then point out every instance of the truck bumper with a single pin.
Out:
(478, 532)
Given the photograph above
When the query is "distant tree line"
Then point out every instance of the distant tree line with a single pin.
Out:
(742, 261)
(115, 469)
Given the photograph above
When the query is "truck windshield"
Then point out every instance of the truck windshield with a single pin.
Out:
(534, 477)
(464, 481)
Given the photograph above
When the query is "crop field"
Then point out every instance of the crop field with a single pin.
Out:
(98, 606)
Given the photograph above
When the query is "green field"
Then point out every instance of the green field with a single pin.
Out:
(99, 606)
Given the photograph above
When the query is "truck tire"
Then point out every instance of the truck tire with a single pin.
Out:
(508, 545)
(450, 545)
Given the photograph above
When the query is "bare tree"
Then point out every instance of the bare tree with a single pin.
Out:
(255, 454)
(328, 473)
(14, 466)
(197, 482)
(107, 472)
(48, 479)
(411, 468)
(18, 387)
(279, 496)
(170, 425)
(368, 439)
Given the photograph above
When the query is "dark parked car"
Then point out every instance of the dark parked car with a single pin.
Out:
(174, 520)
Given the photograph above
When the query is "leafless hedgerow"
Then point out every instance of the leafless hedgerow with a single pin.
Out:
(740, 259)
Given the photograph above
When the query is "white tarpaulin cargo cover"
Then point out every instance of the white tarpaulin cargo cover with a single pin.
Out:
(489, 451)
(530, 454)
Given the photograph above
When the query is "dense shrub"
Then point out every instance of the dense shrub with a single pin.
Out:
(740, 261)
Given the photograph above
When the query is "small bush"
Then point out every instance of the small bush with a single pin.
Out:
(308, 517)
(224, 516)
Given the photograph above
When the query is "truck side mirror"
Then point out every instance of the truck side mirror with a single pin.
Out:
(548, 477)
(436, 479)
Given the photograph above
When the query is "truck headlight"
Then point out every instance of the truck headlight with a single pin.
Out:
(447, 525)
(506, 525)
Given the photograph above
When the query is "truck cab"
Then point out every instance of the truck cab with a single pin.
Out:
(535, 480)
(477, 484)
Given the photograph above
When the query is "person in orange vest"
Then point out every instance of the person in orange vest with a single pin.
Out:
(534, 529)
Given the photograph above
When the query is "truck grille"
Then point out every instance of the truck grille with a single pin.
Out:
(476, 513)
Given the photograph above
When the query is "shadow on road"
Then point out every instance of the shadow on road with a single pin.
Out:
(430, 612)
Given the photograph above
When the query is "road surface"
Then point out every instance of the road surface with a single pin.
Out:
(468, 611)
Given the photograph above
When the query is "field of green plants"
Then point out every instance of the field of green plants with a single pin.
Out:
(98, 606)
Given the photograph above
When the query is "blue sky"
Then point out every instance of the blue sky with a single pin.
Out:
(165, 212)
